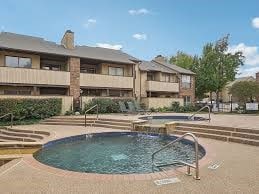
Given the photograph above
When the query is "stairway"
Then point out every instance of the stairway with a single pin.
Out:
(230, 134)
(18, 135)
(80, 121)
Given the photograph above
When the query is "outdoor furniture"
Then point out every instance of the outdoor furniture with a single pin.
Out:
(134, 107)
(141, 110)
(123, 108)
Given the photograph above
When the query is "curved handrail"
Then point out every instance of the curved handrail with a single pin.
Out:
(207, 106)
(8, 115)
(196, 167)
(91, 108)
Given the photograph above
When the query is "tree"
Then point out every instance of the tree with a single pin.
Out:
(182, 59)
(245, 91)
(214, 69)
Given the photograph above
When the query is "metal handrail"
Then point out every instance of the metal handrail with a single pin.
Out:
(196, 166)
(97, 112)
(207, 106)
(8, 115)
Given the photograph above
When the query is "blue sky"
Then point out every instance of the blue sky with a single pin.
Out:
(143, 28)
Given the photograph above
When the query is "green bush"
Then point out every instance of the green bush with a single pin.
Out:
(30, 108)
(106, 105)
(175, 107)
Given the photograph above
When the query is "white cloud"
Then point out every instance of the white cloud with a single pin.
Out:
(247, 71)
(251, 63)
(90, 22)
(140, 36)
(142, 11)
(110, 46)
(255, 22)
(251, 53)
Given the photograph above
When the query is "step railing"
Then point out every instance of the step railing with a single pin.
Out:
(207, 106)
(189, 166)
(97, 113)
(11, 118)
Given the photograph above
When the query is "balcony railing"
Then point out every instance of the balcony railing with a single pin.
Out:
(105, 81)
(162, 86)
(33, 76)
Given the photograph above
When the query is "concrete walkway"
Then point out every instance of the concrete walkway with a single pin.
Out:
(238, 171)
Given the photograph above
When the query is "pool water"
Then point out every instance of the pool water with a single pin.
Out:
(114, 152)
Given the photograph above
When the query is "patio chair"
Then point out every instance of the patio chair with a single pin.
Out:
(131, 106)
(141, 110)
(123, 108)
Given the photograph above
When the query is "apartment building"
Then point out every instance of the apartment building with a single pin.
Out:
(161, 83)
(37, 68)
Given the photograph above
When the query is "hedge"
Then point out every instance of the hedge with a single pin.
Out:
(31, 108)
(106, 105)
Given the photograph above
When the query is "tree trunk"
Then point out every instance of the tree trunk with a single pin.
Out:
(217, 99)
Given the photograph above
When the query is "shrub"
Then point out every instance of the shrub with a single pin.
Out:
(106, 105)
(175, 107)
(31, 108)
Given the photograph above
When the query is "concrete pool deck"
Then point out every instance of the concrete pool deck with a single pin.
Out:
(238, 171)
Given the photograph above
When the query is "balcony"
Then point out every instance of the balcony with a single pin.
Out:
(33, 76)
(105, 81)
(159, 86)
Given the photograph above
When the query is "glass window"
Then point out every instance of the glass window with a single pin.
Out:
(186, 81)
(150, 76)
(24, 62)
(116, 71)
(11, 61)
(17, 92)
(51, 67)
(17, 62)
(166, 77)
(187, 100)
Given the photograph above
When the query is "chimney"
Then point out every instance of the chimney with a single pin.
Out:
(68, 40)
(257, 77)
(160, 59)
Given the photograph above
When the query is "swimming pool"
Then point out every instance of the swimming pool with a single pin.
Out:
(165, 119)
(114, 152)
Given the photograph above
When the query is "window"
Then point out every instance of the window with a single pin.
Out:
(17, 62)
(51, 67)
(186, 100)
(118, 71)
(150, 76)
(84, 69)
(166, 77)
(186, 81)
(17, 92)
(53, 91)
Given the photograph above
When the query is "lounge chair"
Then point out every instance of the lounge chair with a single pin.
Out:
(141, 110)
(123, 108)
(136, 109)
(131, 106)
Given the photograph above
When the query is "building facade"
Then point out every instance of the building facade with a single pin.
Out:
(32, 66)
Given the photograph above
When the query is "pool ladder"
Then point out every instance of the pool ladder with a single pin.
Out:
(97, 113)
(189, 166)
(207, 106)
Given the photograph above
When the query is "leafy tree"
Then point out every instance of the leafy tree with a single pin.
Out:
(182, 60)
(245, 91)
(214, 69)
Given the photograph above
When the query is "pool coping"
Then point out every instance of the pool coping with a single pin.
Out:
(208, 157)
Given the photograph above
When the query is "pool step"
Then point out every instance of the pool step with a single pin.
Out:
(101, 122)
(220, 132)
(18, 135)
(15, 138)
(244, 138)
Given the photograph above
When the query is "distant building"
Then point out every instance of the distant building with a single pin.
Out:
(31, 67)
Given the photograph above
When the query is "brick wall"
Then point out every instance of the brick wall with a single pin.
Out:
(74, 90)
(187, 92)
